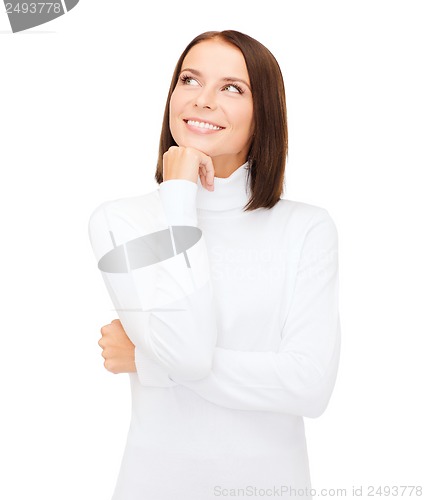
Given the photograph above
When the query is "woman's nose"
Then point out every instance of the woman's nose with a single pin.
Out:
(205, 99)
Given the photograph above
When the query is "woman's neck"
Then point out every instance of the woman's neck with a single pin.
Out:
(225, 165)
(231, 192)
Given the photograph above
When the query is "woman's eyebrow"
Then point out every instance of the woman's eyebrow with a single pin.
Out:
(225, 79)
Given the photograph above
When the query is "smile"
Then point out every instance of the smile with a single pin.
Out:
(203, 125)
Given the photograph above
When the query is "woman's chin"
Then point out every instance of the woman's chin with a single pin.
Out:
(197, 145)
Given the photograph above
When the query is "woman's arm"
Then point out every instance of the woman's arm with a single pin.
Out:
(165, 302)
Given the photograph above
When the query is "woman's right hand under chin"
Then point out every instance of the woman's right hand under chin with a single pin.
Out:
(181, 162)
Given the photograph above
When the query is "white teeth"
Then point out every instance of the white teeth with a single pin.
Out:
(203, 125)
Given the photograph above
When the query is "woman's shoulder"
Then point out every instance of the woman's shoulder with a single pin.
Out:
(124, 218)
(302, 210)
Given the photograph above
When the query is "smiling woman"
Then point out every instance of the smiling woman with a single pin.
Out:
(210, 110)
(227, 293)
(242, 78)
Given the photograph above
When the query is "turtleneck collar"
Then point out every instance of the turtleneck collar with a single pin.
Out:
(229, 193)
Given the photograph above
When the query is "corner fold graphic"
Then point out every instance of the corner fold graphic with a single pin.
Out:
(35, 13)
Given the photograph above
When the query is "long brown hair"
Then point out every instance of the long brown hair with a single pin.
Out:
(269, 146)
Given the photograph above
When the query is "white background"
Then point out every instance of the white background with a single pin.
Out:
(81, 104)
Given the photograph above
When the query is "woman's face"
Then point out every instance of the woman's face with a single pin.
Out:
(211, 108)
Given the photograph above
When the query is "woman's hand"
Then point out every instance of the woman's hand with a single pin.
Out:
(118, 350)
(180, 162)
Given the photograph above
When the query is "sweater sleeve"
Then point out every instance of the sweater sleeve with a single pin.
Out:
(157, 273)
(299, 378)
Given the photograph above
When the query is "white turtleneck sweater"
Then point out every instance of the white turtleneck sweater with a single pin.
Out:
(235, 320)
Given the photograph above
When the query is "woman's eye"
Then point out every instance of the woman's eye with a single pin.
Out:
(233, 88)
(188, 80)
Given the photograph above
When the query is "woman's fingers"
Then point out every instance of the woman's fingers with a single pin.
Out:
(203, 178)
(208, 170)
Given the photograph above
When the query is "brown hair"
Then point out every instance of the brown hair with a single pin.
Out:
(269, 146)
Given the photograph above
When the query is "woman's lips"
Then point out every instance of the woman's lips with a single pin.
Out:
(202, 127)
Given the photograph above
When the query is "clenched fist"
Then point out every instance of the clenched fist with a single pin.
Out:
(118, 350)
(181, 162)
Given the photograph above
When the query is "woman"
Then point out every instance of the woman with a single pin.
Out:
(227, 293)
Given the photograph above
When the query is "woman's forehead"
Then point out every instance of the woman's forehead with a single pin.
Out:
(216, 57)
